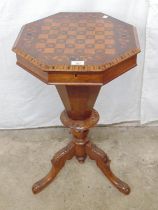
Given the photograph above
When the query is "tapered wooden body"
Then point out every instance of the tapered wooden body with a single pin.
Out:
(78, 100)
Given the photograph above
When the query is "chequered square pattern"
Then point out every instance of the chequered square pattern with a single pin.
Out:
(75, 40)
(65, 37)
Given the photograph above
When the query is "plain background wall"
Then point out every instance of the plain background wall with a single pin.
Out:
(26, 102)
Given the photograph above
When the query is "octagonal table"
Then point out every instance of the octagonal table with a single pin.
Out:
(78, 53)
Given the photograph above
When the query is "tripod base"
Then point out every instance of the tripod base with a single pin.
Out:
(80, 147)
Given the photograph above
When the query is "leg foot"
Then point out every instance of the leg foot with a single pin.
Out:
(58, 162)
(103, 163)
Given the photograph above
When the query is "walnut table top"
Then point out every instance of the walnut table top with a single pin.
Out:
(66, 43)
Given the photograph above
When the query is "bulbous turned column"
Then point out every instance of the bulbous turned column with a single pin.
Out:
(79, 130)
(80, 140)
(79, 115)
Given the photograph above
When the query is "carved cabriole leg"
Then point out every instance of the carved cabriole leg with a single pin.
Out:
(103, 163)
(58, 162)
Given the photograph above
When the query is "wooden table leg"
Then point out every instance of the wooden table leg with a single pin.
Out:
(58, 162)
(103, 163)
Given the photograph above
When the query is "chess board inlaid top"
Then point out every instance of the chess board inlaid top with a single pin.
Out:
(77, 42)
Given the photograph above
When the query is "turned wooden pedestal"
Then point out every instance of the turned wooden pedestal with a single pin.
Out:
(78, 53)
(79, 116)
